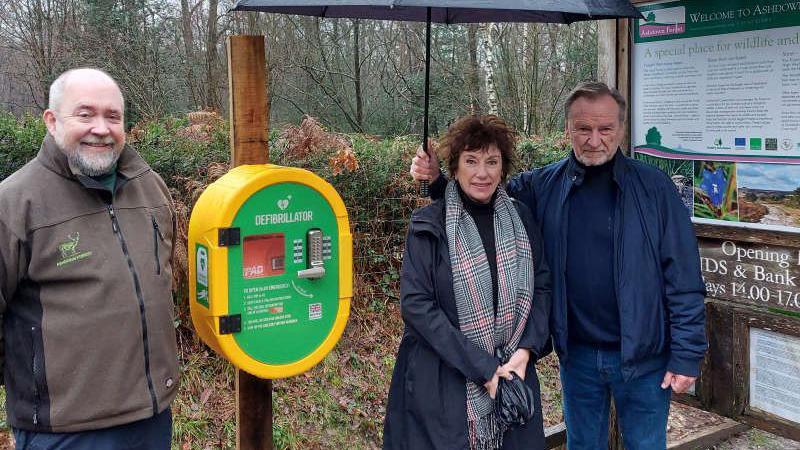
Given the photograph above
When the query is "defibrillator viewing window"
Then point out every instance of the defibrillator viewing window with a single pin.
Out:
(264, 255)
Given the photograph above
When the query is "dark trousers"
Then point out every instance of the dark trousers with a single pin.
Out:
(154, 433)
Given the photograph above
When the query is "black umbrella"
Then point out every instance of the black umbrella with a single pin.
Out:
(448, 11)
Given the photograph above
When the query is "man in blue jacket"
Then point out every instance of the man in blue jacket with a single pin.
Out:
(628, 315)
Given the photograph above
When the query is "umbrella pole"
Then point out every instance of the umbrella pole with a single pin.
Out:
(423, 185)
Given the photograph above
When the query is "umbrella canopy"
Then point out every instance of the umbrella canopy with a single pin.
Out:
(450, 11)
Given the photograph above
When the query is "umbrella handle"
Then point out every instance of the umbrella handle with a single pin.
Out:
(424, 190)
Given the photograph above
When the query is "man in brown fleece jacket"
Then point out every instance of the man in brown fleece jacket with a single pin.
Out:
(86, 229)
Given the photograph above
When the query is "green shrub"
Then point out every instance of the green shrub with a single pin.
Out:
(20, 140)
(174, 152)
(538, 151)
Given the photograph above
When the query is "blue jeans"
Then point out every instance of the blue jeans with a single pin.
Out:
(154, 433)
(590, 378)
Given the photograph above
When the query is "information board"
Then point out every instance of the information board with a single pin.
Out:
(715, 103)
(775, 373)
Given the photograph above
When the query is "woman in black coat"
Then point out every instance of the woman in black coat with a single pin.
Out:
(475, 299)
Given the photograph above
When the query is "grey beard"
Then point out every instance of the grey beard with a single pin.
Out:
(588, 163)
(92, 166)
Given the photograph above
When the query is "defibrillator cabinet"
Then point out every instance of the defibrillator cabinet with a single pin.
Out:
(270, 255)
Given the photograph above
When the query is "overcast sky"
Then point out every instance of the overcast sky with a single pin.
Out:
(775, 177)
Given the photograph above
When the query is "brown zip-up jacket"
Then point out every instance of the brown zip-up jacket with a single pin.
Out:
(85, 295)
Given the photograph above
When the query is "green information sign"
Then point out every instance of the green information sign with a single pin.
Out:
(695, 18)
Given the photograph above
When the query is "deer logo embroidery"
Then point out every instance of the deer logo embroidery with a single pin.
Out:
(69, 250)
(69, 247)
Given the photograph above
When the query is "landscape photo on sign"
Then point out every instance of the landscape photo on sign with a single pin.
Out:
(769, 194)
(715, 190)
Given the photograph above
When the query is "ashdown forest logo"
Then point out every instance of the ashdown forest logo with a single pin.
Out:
(663, 22)
(69, 250)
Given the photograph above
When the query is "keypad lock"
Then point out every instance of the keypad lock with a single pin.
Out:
(315, 266)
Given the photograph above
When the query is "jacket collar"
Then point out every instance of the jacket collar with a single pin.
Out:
(129, 165)
(576, 172)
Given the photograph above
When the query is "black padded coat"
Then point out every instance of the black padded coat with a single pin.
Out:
(427, 396)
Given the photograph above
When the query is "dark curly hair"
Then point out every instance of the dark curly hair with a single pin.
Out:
(477, 133)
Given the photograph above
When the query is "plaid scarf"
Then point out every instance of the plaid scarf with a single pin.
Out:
(472, 285)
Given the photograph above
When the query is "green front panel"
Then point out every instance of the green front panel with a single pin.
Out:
(284, 318)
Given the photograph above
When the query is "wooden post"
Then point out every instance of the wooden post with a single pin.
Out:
(607, 65)
(253, 412)
(607, 51)
(249, 112)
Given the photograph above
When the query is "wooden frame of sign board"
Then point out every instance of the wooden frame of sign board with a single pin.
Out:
(731, 318)
(732, 394)
(731, 314)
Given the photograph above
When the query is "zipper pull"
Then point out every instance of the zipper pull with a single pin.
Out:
(158, 230)
(35, 386)
(113, 218)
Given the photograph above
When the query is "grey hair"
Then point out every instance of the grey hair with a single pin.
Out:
(57, 87)
(592, 90)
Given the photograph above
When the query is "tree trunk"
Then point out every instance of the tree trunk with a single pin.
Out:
(212, 94)
(473, 75)
(487, 64)
(357, 74)
(188, 49)
(535, 83)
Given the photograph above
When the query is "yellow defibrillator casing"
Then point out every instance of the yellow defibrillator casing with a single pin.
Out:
(270, 269)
